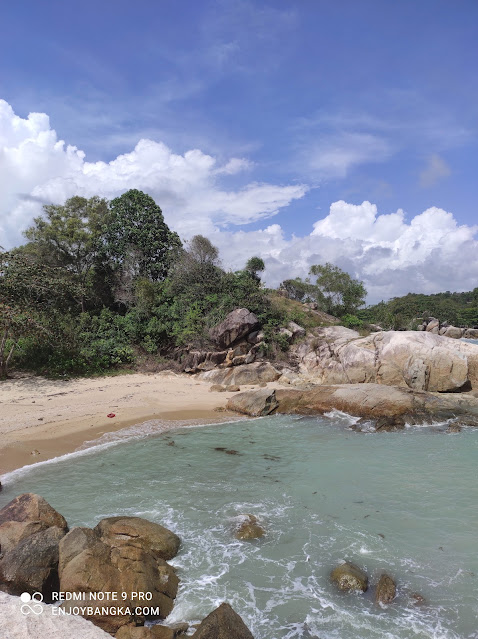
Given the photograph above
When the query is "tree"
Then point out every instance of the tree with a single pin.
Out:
(137, 239)
(197, 271)
(69, 236)
(342, 294)
(31, 294)
(302, 290)
(254, 266)
(202, 251)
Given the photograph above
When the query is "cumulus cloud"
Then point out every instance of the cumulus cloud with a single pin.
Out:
(429, 254)
(435, 170)
(38, 168)
(392, 255)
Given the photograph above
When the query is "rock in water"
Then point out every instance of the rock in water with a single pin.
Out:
(237, 325)
(26, 515)
(30, 530)
(349, 578)
(371, 401)
(223, 623)
(122, 531)
(32, 565)
(249, 528)
(255, 403)
(121, 555)
(386, 590)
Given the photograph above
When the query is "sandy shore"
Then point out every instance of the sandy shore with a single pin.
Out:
(41, 418)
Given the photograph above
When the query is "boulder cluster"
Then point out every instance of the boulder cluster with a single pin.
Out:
(121, 555)
(432, 325)
(238, 341)
(348, 577)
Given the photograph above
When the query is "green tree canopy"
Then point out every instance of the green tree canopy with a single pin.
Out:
(137, 239)
(254, 266)
(31, 294)
(69, 236)
(341, 293)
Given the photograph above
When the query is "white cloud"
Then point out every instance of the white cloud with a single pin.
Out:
(429, 253)
(36, 168)
(435, 170)
(336, 154)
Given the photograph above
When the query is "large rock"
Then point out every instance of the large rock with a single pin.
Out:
(418, 360)
(15, 625)
(239, 375)
(121, 555)
(135, 531)
(452, 331)
(32, 565)
(349, 578)
(223, 623)
(24, 516)
(248, 527)
(386, 590)
(296, 330)
(254, 403)
(237, 325)
(471, 333)
(373, 401)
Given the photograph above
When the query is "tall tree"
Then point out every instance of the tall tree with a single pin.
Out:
(69, 236)
(31, 293)
(341, 293)
(137, 239)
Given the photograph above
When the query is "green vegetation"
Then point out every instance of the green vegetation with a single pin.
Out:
(103, 285)
(458, 309)
(334, 291)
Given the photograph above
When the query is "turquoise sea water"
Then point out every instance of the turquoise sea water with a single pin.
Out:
(402, 502)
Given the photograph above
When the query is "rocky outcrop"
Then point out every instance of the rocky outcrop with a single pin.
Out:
(372, 401)
(121, 555)
(254, 403)
(248, 527)
(237, 325)
(386, 590)
(30, 531)
(432, 325)
(296, 330)
(349, 578)
(15, 625)
(24, 516)
(417, 360)
(240, 375)
(32, 565)
(196, 361)
(223, 623)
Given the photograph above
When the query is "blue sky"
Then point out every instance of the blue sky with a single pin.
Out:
(258, 117)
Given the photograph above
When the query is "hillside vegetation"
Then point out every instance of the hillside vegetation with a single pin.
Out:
(105, 285)
(457, 309)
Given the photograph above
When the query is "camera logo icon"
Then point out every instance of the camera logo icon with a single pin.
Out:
(31, 603)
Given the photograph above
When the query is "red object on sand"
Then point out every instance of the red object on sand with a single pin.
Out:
(111, 415)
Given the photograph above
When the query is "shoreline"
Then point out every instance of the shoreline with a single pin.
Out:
(42, 419)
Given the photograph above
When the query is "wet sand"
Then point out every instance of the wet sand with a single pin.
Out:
(41, 418)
